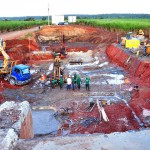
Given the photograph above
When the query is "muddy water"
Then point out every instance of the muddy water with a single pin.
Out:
(44, 122)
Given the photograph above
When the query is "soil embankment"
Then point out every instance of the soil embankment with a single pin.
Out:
(139, 70)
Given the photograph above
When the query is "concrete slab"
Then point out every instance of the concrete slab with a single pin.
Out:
(131, 140)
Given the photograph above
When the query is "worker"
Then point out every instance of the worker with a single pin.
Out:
(69, 82)
(73, 83)
(134, 91)
(141, 32)
(79, 82)
(55, 54)
(75, 77)
(43, 79)
(136, 87)
(145, 47)
(61, 82)
(87, 82)
(91, 101)
(54, 83)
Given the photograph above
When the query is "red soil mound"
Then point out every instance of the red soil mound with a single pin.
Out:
(76, 33)
(25, 42)
(20, 49)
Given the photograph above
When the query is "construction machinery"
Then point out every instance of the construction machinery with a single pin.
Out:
(57, 68)
(133, 40)
(15, 74)
(54, 80)
(62, 50)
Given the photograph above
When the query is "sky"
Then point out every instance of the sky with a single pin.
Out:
(16, 8)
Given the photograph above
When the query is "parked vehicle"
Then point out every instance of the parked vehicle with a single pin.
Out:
(15, 74)
(63, 23)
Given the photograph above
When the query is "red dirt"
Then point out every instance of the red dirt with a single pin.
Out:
(119, 121)
(19, 49)
(74, 33)
(140, 101)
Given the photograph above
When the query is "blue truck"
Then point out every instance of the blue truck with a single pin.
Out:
(19, 75)
(15, 74)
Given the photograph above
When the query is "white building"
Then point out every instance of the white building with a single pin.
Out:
(57, 18)
(72, 19)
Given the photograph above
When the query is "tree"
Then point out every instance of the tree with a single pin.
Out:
(29, 19)
(43, 18)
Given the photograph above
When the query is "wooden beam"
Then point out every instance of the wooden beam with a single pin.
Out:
(102, 112)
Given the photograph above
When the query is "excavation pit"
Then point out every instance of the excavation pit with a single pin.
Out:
(44, 122)
(107, 80)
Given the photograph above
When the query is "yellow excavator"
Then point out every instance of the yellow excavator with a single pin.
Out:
(6, 65)
(15, 74)
(133, 40)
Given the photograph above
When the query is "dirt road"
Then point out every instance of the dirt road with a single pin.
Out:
(16, 34)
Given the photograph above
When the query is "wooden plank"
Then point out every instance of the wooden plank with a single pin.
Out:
(99, 109)
(102, 112)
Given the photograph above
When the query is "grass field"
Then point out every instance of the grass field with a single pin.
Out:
(18, 25)
(118, 24)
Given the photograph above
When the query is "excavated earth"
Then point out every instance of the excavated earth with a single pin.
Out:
(112, 70)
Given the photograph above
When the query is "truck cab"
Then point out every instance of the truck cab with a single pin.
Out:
(20, 75)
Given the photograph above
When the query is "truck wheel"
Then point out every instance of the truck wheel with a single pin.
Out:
(12, 81)
(6, 78)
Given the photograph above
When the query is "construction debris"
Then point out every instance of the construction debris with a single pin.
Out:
(89, 121)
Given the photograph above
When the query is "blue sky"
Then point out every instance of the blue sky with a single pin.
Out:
(11, 8)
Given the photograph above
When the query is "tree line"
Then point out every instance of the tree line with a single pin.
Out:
(79, 16)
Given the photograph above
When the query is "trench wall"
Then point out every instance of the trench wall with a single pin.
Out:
(136, 67)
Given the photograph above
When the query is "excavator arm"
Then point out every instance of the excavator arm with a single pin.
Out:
(4, 68)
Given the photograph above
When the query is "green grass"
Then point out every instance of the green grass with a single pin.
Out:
(18, 25)
(117, 24)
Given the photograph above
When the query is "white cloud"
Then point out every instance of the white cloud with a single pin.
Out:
(40, 7)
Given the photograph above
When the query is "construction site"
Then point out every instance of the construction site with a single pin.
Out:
(41, 110)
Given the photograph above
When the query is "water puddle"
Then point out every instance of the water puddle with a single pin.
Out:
(44, 122)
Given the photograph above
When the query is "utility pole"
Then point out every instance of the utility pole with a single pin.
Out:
(29, 51)
(48, 14)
